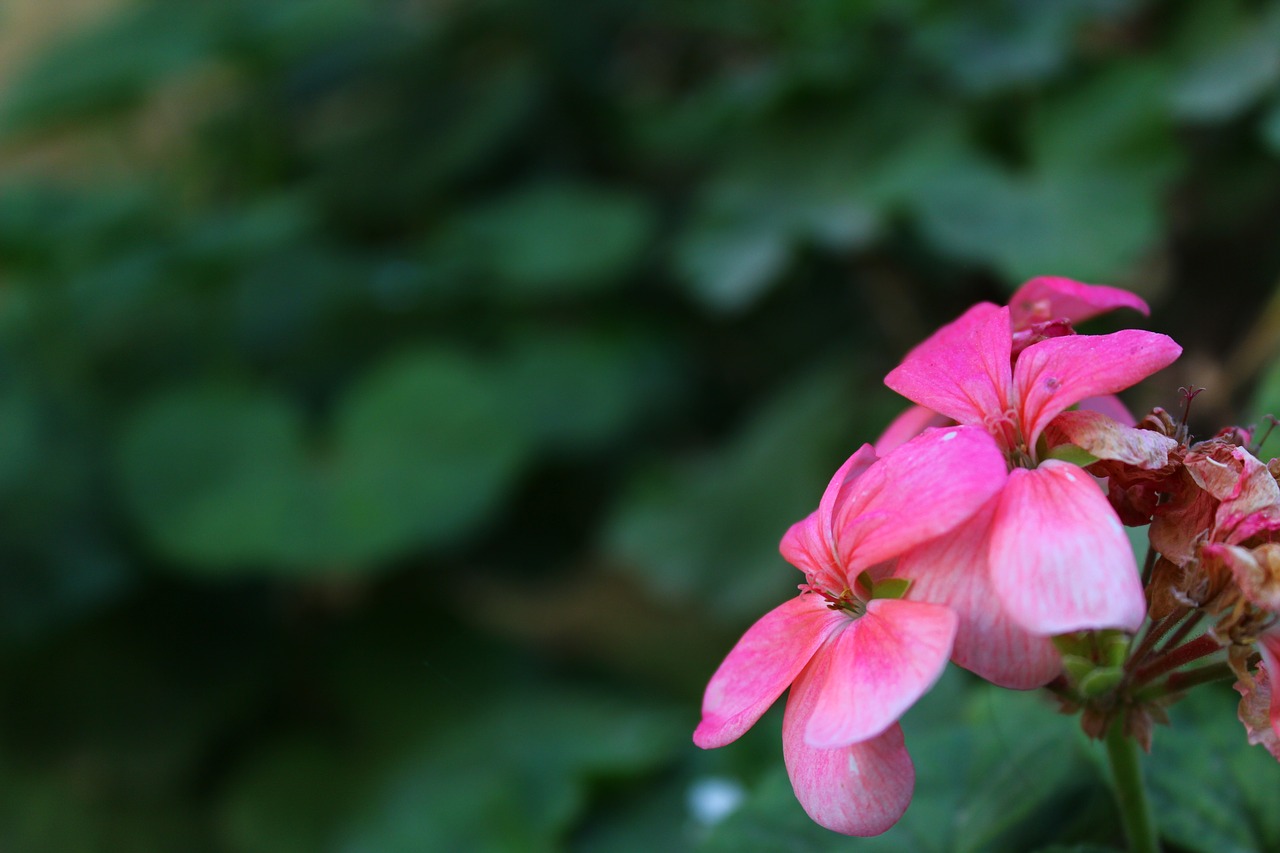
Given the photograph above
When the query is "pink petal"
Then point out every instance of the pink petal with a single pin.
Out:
(1111, 406)
(1106, 439)
(1060, 559)
(1051, 298)
(952, 471)
(906, 426)
(860, 789)
(1055, 374)
(962, 371)
(881, 663)
(952, 570)
(763, 663)
(809, 544)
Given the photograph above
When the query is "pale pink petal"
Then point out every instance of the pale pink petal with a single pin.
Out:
(906, 426)
(1052, 298)
(1060, 559)
(963, 370)
(881, 663)
(1055, 374)
(763, 663)
(950, 471)
(860, 789)
(952, 570)
(1106, 439)
(1111, 406)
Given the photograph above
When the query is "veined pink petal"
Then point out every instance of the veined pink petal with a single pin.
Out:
(963, 370)
(881, 663)
(950, 471)
(1057, 373)
(1051, 298)
(763, 663)
(1060, 559)
(860, 789)
(1106, 439)
(952, 570)
(906, 426)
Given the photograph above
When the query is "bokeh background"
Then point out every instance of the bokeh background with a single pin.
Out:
(401, 401)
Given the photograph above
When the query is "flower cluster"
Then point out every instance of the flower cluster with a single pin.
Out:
(986, 527)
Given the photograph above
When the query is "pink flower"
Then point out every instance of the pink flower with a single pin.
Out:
(1054, 553)
(854, 653)
(1044, 307)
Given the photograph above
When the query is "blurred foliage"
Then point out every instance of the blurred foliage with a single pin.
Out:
(401, 401)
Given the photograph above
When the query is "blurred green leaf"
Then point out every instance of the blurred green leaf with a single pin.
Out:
(557, 239)
(213, 474)
(536, 754)
(424, 447)
(707, 530)
(108, 65)
(1211, 791)
(1232, 76)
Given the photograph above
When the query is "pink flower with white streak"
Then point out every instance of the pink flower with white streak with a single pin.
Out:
(855, 654)
(1048, 546)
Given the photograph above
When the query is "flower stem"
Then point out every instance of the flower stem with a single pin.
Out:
(1131, 794)
(1174, 658)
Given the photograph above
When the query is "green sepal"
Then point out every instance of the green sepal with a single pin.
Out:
(1115, 648)
(865, 581)
(1100, 680)
(890, 588)
(1074, 455)
(1077, 667)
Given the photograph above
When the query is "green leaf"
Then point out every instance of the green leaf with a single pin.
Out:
(1211, 791)
(708, 529)
(213, 475)
(1238, 71)
(557, 240)
(107, 66)
(424, 448)
(891, 588)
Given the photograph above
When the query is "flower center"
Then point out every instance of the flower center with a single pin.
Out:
(1007, 431)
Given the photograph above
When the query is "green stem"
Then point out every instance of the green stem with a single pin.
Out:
(1131, 795)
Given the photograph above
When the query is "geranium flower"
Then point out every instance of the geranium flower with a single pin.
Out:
(1044, 307)
(1055, 555)
(855, 653)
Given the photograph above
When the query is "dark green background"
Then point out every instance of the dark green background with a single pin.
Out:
(401, 402)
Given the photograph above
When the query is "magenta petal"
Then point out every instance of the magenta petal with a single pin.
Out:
(953, 570)
(962, 371)
(1052, 298)
(906, 426)
(880, 665)
(1057, 373)
(1060, 559)
(1111, 406)
(861, 789)
(763, 663)
(952, 471)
